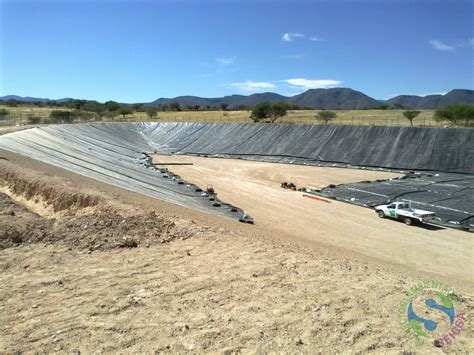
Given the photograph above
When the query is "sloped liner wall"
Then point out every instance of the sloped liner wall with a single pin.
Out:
(114, 152)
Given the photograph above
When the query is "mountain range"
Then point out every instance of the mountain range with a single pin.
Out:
(331, 99)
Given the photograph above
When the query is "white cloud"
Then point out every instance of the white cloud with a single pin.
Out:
(289, 37)
(315, 39)
(449, 47)
(434, 93)
(253, 86)
(441, 46)
(226, 60)
(312, 84)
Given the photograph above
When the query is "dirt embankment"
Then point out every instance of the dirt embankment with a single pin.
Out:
(35, 210)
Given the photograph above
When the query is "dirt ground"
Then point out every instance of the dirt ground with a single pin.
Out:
(255, 187)
(79, 273)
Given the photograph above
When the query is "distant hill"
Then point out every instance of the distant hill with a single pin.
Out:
(433, 101)
(23, 98)
(337, 98)
(31, 99)
(330, 99)
(334, 99)
(232, 101)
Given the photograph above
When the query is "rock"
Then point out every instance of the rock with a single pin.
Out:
(35, 306)
(129, 242)
(299, 342)
(136, 299)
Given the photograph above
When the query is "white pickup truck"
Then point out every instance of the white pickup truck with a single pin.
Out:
(404, 212)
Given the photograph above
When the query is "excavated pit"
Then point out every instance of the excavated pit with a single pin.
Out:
(118, 154)
(35, 210)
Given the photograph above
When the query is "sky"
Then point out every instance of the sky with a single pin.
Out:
(138, 51)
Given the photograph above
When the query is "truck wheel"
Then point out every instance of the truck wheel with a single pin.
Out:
(408, 221)
(381, 214)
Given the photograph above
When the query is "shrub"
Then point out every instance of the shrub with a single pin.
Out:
(3, 113)
(456, 113)
(325, 116)
(266, 110)
(58, 116)
(33, 119)
(410, 115)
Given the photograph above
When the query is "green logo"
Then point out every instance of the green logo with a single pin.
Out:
(429, 313)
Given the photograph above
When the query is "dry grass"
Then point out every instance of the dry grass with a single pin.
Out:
(20, 115)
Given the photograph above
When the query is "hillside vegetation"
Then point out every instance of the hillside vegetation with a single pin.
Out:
(22, 115)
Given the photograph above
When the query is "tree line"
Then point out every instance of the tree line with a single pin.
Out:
(455, 114)
(89, 110)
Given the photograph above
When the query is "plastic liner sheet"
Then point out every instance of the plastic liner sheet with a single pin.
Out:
(449, 195)
(406, 148)
(117, 153)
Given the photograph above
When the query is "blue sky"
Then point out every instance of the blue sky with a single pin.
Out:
(137, 51)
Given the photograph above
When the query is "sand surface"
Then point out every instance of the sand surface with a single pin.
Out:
(255, 187)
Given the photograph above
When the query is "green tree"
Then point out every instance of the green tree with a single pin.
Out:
(151, 112)
(267, 111)
(411, 115)
(224, 106)
(75, 104)
(85, 115)
(278, 110)
(260, 112)
(57, 116)
(11, 103)
(34, 119)
(175, 106)
(125, 110)
(94, 106)
(3, 113)
(137, 107)
(113, 106)
(456, 113)
(325, 116)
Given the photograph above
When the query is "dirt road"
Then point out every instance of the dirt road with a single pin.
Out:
(255, 187)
